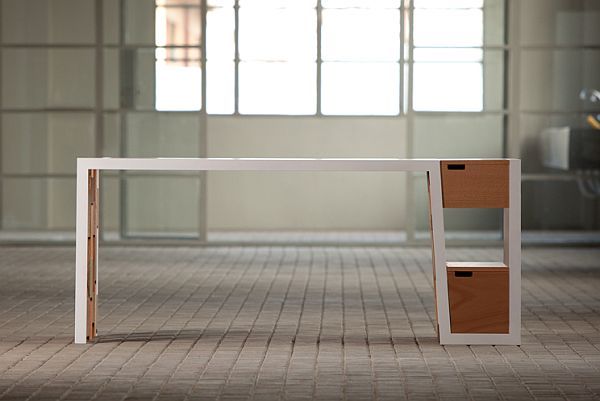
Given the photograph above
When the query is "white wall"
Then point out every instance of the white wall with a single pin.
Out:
(304, 200)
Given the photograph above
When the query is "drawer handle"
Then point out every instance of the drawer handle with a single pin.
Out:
(456, 166)
(463, 274)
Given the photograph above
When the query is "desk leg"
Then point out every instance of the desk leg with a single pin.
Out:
(81, 256)
(512, 249)
(92, 253)
(86, 255)
(438, 244)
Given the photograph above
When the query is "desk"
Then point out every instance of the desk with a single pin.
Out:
(461, 317)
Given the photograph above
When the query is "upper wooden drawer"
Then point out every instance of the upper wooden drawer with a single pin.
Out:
(475, 183)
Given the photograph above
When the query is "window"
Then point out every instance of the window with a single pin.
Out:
(346, 57)
(178, 37)
(360, 51)
(220, 57)
(448, 62)
(277, 52)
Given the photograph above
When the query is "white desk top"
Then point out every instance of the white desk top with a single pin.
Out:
(260, 164)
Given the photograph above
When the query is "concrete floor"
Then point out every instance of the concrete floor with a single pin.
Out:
(269, 323)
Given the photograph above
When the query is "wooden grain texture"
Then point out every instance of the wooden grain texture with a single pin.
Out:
(481, 184)
(480, 303)
(92, 253)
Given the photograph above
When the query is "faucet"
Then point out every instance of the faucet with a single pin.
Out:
(592, 95)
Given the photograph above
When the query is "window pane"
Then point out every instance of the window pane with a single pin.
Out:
(111, 79)
(38, 204)
(436, 54)
(40, 143)
(24, 143)
(448, 4)
(493, 79)
(447, 86)
(559, 22)
(220, 42)
(137, 86)
(39, 78)
(178, 26)
(278, 34)
(177, 2)
(220, 87)
(439, 27)
(553, 79)
(178, 79)
(162, 79)
(110, 21)
(277, 88)
(279, 3)
(494, 22)
(162, 206)
(458, 135)
(220, 3)
(377, 39)
(360, 88)
(139, 17)
(162, 135)
(360, 4)
(111, 138)
(47, 21)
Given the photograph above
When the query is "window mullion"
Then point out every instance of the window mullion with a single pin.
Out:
(401, 44)
(319, 59)
(236, 85)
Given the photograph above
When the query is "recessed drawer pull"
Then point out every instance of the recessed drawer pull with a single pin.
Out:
(456, 166)
(463, 274)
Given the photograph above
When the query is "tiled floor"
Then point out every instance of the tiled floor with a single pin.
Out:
(347, 323)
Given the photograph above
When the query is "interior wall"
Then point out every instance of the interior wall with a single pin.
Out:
(306, 200)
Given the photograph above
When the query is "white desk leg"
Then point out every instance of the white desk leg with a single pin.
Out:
(81, 231)
(512, 249)
(439, 251)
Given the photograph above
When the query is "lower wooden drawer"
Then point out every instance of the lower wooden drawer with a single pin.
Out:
(478, 294)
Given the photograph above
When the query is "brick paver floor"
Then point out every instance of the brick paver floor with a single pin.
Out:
(284, 323)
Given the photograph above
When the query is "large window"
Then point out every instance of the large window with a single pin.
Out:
(327, 57)
(277, 57)
(360, 57)
(448, 62)
(178, 33)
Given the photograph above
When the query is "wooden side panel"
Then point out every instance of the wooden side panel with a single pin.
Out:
(479, 299)
(92, 253)
(475, 183)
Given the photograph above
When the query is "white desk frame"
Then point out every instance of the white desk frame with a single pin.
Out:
(512, 226)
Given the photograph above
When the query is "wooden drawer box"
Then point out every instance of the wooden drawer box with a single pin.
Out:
(478, 297)
(475, 183)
